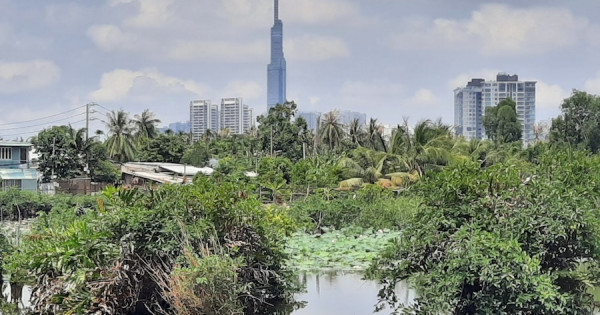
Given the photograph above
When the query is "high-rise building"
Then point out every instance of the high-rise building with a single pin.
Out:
(203, 116)
(276, 69)
(346, 117)
(468, 110)
(311, 119)
(235, 116)
(471, 101)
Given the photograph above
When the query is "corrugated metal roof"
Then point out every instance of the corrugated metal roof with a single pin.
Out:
(9, 173)
(14, 144)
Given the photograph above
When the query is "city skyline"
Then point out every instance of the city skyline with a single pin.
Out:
(388, 59)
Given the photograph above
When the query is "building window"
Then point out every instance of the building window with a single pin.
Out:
(11, 183)
(5, 153)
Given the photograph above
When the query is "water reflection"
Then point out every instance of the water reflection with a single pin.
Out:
(343, 293)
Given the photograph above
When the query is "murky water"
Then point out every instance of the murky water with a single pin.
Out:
(344, 293)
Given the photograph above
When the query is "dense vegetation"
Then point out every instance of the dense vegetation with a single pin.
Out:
(477, 227)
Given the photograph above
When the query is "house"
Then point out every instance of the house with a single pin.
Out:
(140, 174)
(15, 166)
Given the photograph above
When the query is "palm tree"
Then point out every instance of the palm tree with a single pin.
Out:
(375, 134)
(120, 142)
(356, 132)
(332, 131)
(145, 125)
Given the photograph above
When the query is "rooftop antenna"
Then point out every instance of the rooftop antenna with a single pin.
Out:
(276, 10)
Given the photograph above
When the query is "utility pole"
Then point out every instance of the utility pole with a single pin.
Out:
(271, 140)
(87, 121)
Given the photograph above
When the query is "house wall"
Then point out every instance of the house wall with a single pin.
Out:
(14, 162)
(29, 184)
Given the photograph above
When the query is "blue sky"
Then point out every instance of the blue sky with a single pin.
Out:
(388, 58)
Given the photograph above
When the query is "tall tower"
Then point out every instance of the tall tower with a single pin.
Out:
(276, 69)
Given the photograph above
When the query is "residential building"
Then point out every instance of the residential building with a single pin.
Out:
(203, 116)
(471, 101)
(15, 166)
(346, 117)
(311, 118)
(235, 116)
(276, 70)
(468, 110)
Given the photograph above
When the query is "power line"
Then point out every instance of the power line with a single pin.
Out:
(42, 124)
(42, 118)
(35, 131)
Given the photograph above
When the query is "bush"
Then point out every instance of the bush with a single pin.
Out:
(507, 239)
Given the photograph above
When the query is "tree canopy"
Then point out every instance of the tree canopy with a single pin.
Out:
(500, 122)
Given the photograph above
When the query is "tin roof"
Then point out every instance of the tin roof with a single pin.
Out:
(4, 143)
(18, 173)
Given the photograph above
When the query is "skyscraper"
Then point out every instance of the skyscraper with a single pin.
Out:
(471, 101)
(235, 116)
(203, 116)
(276, 69)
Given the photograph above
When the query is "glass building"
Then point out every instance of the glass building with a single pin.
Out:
(276, 69)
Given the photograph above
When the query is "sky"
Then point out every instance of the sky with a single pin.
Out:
(391, 59)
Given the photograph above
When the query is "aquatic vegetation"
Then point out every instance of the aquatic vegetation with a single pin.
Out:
(351, 248)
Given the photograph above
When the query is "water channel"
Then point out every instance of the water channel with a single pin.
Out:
(344, 293)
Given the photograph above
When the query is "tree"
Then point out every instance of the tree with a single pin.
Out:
(281, 134)
(356, 133)
(168, 148)
(332, 131)
(58, 149)
(145, 125)
(375, 136)
(500, 122)
(120, 142)
(499, 240)
(579, 124)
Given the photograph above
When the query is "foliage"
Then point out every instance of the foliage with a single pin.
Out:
(578, 126)
(279, 132)
(167, 148)
(347, 249)
(145, 125)
(331, 130)
(319, 171)
(369, 207)
(120, 142)
(197, 154)
(500, 122)
(504, 239)
(120, 258)
(58, 152)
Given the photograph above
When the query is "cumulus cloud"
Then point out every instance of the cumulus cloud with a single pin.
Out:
(30, 75)
(249, 90)
(219, 50)
(462, 79)
(258, 13)
(548, 98)
(423, 98)
(498, 29)
(593, 85)
(315, 48)
(122, 83)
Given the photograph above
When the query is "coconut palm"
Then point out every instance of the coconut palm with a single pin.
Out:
(356, 132)
(120, 142)
(145, 125)
(332, 131)
(375, 134)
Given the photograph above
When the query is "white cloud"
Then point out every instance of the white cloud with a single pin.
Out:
(315, 48)
(548, 98)
(593, 85)
(152, 14)
(498, 29)
(462, 79)
(219, 50)
(122, 83)
(423, 98)
(30, 75)
(112, 38)
(258, 13)
(249, 90)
